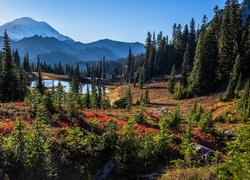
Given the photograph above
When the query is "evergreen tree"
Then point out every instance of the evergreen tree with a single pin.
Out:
(39, 83)
(192, 42)
(146, 99)
(146, 65)
(75, 85)
(9, 76)
(237, 162)
(229, 37)
(130, 72)
(243, 106)
(58, 96)
(141, 81)
(26, 63)
(87, 98)
(185, 66)
(128, 98)
(152, 56)
(195, 79)
(39, 145)
(234, 78)
(209, 66)
(22, 86)
(171, 81)
(17, 58)
(94, 96)
(245, 50)
(103, 68)
(20, 142)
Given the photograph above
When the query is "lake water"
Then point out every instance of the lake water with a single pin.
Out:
(65, 84)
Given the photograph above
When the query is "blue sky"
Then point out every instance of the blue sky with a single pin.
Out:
(124, 20)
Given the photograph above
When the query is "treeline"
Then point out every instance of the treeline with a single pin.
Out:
(216, 53)
(12, 74)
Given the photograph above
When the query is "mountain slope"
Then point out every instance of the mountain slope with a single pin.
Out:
(39, 38)
(26, 27)
(52, 50)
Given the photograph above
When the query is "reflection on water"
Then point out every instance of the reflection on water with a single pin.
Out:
(65, 84)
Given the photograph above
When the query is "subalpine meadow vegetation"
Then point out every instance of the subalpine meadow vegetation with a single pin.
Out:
(181, 110)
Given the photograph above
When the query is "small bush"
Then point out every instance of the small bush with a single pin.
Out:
(121, 103)
(180, 92)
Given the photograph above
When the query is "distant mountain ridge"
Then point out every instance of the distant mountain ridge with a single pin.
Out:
(39, 38)
(26, 27)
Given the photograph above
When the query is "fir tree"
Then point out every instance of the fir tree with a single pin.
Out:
(128, 98)
(39, 83)
(146, 99)
(234, 78)
(17, 58)
(243, 106)
(209, 66)
(9, 76)
(171, 81)
(192, 42)
(185, 66)
(87, 98)
(229, 38)
(130, 72)
(195, 79)
(245, 50)
(75, 85)
(146, 64)
(58, 96)
(26, 63)
(22, 87)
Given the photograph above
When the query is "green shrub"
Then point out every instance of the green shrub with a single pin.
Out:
(180, 92)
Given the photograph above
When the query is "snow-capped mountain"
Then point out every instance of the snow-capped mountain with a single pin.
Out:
(26, 27)
(39, 38)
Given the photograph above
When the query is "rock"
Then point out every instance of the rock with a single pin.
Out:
(103, 173)
(164, 110)
(204, 152)
(229, 134)
(152, 176)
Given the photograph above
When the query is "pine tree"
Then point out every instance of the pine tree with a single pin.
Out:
(152, 57)
(146, 99)
(130, 72)
(245, 50)
(229, 38)
(22, 86)
(243, 106)
(87, 98)
(171, 81)
(209, 66)
(185, 66)
(103, 68)
(17, 58)
(39, 83)
(58, 96)
(146, 65)
(9, 76)
(194, 81)
(20, 142)
(234, 78)
(26, 63)
(39, 146)
(75, 85)
(128, 98)
(192, 42)
(94, 96)
(141, 80)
